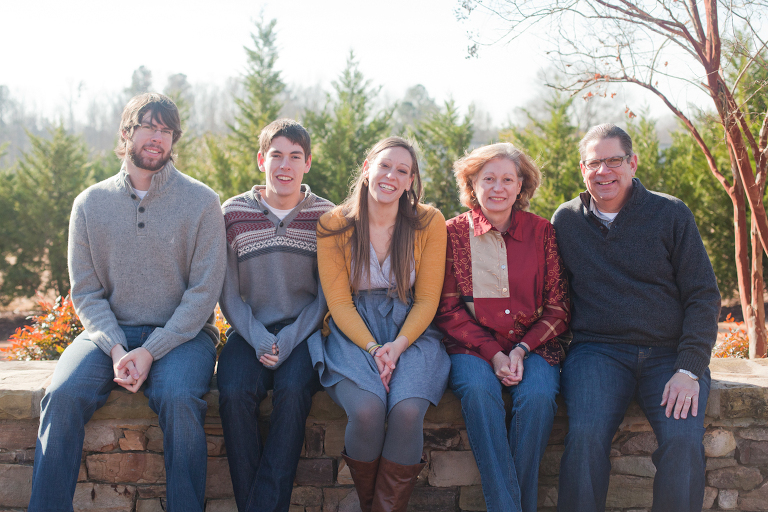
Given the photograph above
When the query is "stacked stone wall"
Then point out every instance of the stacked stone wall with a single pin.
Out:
(122, 466)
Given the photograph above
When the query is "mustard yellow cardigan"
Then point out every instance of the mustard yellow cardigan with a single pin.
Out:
(334, 262)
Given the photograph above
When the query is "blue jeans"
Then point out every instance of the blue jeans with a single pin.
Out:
(262, 476)
(508, 460)
(81, 384)
(599, 381)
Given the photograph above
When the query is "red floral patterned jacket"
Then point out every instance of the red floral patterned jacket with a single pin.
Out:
(503, 288)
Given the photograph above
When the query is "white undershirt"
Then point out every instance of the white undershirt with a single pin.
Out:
(280, 214)
(140, 193)
(603, 215)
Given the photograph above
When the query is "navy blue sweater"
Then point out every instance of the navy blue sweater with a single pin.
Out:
(646, 281)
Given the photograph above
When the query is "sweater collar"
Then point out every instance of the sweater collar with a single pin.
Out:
(255, 195)
(638, 196)
(158, 183)
(482, 225)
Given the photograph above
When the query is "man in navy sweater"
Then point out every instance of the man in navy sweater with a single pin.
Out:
(644, 308)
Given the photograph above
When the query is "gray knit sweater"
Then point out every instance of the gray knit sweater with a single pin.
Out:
(272, 271)
(159, 261)
(646, 281)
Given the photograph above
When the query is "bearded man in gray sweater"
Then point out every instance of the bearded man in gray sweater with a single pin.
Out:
(644, 304)
(147, 259)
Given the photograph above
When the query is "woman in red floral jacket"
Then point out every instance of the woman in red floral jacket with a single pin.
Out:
(504, 304)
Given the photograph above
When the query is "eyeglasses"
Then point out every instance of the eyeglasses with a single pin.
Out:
(612, 162)
(149, 130)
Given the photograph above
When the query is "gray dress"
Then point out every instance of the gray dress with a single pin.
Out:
(422, 369)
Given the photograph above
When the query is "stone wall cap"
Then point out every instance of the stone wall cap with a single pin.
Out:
(22, 384)
(729, 372)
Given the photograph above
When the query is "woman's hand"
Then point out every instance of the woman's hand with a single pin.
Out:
(516, 357)
(501, 367)
(387, 356)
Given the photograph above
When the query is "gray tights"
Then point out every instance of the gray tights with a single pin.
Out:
(366, 438)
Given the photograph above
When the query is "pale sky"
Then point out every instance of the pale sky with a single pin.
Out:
(50, 46)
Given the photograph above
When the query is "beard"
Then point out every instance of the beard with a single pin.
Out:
(148, 164)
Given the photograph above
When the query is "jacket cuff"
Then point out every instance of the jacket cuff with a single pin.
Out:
(489, 349)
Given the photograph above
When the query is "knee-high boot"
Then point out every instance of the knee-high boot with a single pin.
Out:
(394, 485)
(364, 476)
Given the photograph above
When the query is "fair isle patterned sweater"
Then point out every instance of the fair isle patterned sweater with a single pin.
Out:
(272, 271)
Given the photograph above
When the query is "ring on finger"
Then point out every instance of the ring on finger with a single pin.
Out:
(688, 398)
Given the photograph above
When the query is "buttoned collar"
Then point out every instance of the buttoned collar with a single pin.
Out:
(159, 179)
(482, 225)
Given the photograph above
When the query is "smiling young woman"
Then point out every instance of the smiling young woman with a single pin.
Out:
(382, 361)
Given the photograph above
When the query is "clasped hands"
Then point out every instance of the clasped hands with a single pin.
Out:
(509, 368)
(131, 368)
(386, 358)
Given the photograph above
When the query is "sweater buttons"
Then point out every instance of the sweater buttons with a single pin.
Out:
(281, 224)
(141, 209)
(503, 267)
(141, 224)
(506, 311)
(133, 196)
(265, 212)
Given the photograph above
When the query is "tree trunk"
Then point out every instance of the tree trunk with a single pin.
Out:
(757, 331)
(736, 194)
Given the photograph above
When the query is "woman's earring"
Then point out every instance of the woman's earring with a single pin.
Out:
(365, 181)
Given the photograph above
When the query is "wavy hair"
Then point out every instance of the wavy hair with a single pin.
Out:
(408, 221)
(468, 167)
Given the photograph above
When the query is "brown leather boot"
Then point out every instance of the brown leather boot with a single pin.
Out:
(364, 476)
(394, 486)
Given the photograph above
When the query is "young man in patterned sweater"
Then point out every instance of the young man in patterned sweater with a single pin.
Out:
(273, 300)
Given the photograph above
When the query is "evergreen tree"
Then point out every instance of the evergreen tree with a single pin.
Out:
(141, 82)
(552, 141)
(343, 132)
(40, 195)
(444, 137)
(233, 165)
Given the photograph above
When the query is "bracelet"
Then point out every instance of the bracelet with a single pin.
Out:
(690, 374)
(527, 352)
(373, 349)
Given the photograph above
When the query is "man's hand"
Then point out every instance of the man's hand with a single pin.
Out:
(681, 394)
(387, 356)
(138, 361)
(269, 360)
(126, 375)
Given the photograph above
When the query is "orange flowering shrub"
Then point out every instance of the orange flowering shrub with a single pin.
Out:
(56, 327)
(222, 325)
(50, 333)
(736, 342)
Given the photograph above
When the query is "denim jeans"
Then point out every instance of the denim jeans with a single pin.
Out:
(81, 384)
(262, 475)
(599, 381)
(508, 460)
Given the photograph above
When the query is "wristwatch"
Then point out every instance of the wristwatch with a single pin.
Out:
(691, 375)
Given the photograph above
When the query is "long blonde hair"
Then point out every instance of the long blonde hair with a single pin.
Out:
(409, 220)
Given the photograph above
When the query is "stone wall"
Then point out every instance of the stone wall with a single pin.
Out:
(122, 467)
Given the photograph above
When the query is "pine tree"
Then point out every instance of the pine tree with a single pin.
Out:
(444, 138)
(343, 132)
(41, 191)
(551, 141)
(233, 163)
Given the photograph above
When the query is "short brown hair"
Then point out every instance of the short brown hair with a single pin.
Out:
(467, 168)
(289, 129)
(161, 109)
(606, 131)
